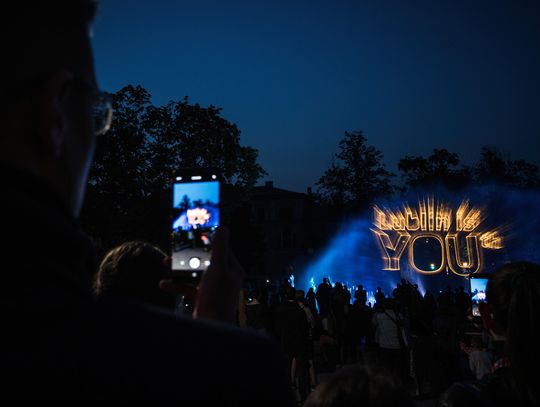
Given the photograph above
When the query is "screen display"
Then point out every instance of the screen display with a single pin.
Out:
(478, 293)
(195, 217)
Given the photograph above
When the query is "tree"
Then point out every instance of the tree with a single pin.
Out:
(186, 135)
(439, 169)
(494, 168)
(129, 194)
(356, 176)
(523, 174)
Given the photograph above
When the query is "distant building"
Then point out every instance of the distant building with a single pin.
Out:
(288, 223)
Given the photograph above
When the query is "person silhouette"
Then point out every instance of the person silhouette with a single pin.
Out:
(133, 271)
(510, 316)
(61, 346)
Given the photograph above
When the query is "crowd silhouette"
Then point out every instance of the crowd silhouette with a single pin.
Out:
(426, 343)
(402, 347)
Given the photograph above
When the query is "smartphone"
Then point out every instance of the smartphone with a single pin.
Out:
(195, 217)
(477, 286)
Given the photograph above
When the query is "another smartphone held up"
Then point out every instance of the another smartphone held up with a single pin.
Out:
(477, 286)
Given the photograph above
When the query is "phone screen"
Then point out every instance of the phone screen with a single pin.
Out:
(478, 286)
(195, 217)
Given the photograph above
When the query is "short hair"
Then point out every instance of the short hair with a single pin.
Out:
(38, 37)
(360, 386)
(133, 270)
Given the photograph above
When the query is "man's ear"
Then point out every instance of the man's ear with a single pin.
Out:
(51, 115)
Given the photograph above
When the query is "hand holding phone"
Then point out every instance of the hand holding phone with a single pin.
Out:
(220, 285)
(217, 296)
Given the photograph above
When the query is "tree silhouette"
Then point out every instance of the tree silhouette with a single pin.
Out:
(185, 203)
(494, 168)
(439, 169)
(129, 193)
(356, 176)
(523, 174)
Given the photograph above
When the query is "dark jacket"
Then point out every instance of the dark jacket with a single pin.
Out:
(59, 346)
(494, 390)
(293, 329)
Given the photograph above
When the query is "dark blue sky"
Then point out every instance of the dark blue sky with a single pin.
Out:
(294, 75)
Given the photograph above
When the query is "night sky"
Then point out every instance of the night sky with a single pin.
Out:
(294, 75)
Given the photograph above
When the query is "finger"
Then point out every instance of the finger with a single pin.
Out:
(220, 248)
(235, 265)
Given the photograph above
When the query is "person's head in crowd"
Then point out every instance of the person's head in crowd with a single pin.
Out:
(360, 386)
(133, 271)
(290, 293)
(51, 107)
(300, 295)
(512, 314)
(325, 280)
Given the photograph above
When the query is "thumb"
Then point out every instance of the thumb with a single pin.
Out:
(220, 248)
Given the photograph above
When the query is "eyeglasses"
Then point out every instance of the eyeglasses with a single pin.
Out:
(103, 112)
(102, 102)
(103, 109)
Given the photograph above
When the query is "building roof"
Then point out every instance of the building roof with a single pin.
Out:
(268, 191)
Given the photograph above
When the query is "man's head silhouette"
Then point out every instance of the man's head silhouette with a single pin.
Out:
(50, 102)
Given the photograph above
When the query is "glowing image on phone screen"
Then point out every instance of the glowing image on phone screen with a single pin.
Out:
(195, 218)
(478, 293)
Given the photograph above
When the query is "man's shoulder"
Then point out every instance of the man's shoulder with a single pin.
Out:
(176, 353)
(108, 352)
(150, 323)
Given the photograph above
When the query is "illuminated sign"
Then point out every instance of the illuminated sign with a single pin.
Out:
(435, 237)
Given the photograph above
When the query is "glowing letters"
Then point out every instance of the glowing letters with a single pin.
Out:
(392, 251)
(460, 243)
